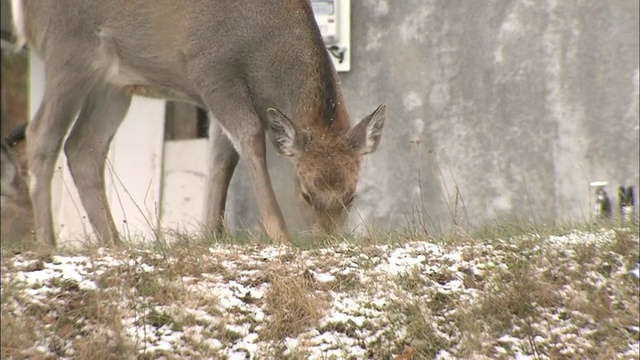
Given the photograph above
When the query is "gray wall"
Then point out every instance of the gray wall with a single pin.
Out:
(512, 107)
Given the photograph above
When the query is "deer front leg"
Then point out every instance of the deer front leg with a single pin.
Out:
(243, 128)
(272, 219)
(223, 162)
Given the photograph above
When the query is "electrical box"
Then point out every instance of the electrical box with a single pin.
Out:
(334, 20)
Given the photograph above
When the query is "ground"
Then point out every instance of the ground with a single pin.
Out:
(564, 295)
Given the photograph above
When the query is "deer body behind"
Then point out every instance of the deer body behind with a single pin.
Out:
(16, 220)
(256, 65)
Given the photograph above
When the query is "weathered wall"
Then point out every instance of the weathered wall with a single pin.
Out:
(515, 106)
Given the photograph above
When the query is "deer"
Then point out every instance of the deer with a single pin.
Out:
(259, 67)
(16, 225)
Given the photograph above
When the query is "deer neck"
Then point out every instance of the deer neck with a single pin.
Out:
(320, 104)
(304, 86)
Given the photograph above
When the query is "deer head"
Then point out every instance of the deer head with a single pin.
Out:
(326, 164)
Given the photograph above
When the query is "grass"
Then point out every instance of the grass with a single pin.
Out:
(495, 293)
(293, 304)
(532, 286)
(62, 319)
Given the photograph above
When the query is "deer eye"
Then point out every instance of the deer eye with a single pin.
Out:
(306, 198)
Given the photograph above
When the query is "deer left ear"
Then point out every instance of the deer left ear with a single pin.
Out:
(365, 137)
(282, 133)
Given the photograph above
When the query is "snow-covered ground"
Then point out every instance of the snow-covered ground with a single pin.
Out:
(478, 299)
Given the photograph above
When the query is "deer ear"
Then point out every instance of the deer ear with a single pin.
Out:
(365, 137)
(282, 133)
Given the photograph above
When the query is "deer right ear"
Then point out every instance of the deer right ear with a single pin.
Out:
(365, 137)
(282, 133)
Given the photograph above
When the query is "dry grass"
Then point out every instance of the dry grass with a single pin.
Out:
(17, 331)
(293, 303)
(542, 285)
(496, 295)
(63, 319)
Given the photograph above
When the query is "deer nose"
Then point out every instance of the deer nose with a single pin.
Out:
(330, 227)
(323, 224)
(331, 223)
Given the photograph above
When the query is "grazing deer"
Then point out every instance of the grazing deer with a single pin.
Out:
(16, 223)
(256, 65)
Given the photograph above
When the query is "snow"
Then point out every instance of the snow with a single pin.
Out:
(221, 310)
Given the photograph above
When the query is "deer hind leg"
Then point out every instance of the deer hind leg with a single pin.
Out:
(223, 162)
(87, 147)
(64, 94)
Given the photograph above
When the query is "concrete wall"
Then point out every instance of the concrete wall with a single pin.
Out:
(512, 107)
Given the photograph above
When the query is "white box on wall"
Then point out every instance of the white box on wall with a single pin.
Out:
(334, 19)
